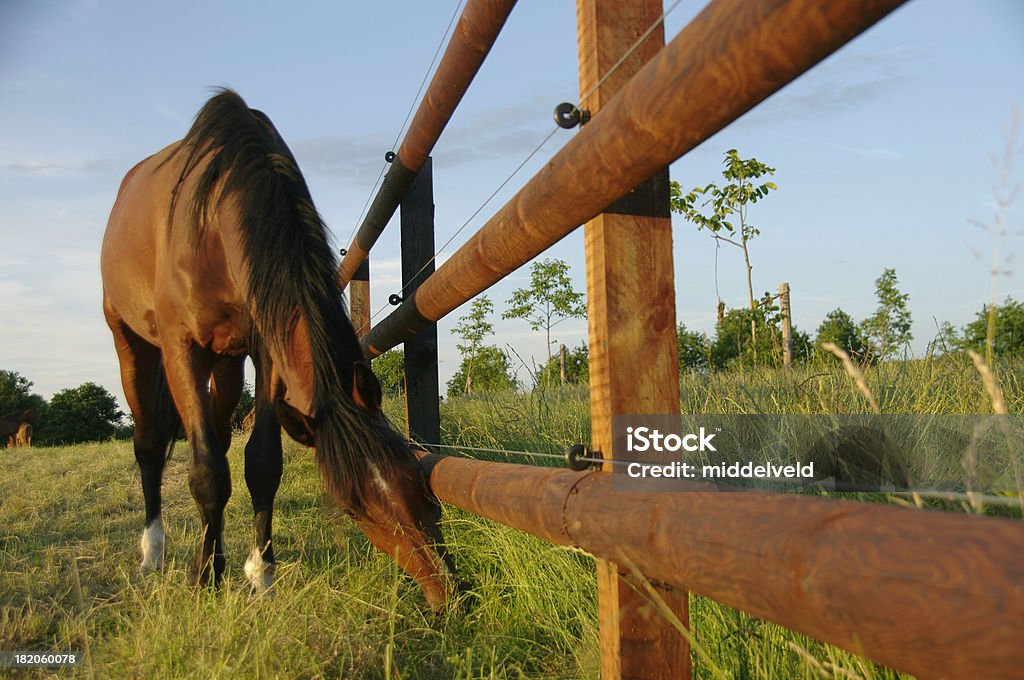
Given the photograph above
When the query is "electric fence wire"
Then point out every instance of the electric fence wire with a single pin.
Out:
(1005, 500)
(550, 134)
(507, 452)
(408, 115)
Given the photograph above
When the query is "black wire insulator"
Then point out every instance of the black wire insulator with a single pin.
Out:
(574, 453)
(389, 157)
(568, 116)
(395, 299)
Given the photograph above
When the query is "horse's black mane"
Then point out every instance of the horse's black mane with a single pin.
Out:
(292, 267)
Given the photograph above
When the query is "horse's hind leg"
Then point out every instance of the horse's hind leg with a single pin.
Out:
(263, 464)
(145, 390)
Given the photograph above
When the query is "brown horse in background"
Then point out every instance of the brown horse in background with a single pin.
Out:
(24, 436)
(214, 251)
(11, 423)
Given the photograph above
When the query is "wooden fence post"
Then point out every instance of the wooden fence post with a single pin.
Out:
(359, 299)
(631, 312)
(561, 362)
(787, 325)
(421, 378)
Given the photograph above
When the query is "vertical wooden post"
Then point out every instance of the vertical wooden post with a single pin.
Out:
(359, 299)
(421, 379)
(787, 325)
(561, 361)
(631, 313)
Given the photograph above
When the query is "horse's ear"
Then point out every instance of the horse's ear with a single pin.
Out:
(366, 388)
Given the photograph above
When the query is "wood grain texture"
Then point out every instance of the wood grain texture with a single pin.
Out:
(935, 594)
(631, 314)
(359, 305)
(733, 55)
(353, 259)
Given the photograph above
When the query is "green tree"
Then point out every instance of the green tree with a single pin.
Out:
(246, 401)
(549, 300)
(888, 329)
(840, 328)
(733, 344)
(79, 414)
(491, 371)
(473, 328)
(577, 368)
(725, 209)
(998, 329)
(946, 340)
(125, 430)
(390, 370)
(16, 393)
(694, 349)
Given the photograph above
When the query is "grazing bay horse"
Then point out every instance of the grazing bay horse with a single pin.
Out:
(11, 423)
(213, 252)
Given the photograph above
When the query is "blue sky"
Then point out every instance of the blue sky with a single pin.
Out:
(883, 152)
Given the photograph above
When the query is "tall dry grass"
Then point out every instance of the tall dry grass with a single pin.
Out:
(70, 520)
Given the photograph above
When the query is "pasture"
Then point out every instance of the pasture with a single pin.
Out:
(70, 521)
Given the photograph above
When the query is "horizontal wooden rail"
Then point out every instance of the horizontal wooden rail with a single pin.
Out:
(929, 593)
(734, 54)
(474, 35)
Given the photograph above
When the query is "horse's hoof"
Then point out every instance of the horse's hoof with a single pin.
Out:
(260, 574)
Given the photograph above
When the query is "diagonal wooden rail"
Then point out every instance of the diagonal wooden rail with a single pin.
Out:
(732, 56)
(930, 593)
(474, 35)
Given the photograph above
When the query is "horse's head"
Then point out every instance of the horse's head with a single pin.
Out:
(28, 413)
(399, 513)
(402, 514)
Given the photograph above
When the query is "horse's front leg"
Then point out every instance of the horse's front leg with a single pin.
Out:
(263, 463)
(188, 375)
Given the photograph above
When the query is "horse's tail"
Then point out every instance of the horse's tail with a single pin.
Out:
(292, 268)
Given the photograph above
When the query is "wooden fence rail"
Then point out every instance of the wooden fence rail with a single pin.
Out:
(474, 35)
(930, 593)
(729, 58)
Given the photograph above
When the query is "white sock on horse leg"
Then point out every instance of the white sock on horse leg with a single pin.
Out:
(259, 572)
(152, 545)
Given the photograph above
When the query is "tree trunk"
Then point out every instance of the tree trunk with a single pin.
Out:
(750, 294)
(469, 373)
(547, 328)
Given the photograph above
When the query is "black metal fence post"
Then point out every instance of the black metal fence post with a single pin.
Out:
(421, 374)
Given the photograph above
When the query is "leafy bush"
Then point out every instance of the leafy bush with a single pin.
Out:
(81, 414)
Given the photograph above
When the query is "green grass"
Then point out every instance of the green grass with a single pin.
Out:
(70, 520)
(341, 608)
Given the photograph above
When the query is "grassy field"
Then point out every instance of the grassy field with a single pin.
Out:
(70, 520)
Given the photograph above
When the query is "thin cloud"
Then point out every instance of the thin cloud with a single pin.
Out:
(177, 117)
(881, 153)
(352, 158)
(58, 168)
(845, 82)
